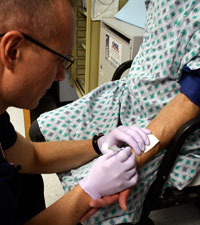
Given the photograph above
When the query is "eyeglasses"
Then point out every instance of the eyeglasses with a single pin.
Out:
(66, 61)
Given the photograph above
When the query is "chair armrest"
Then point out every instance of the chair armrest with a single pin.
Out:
(167, 164)
(187, 129)
(121, 69)
(173, 150)
(177, 142)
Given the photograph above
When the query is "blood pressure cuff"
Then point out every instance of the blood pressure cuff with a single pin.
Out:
(190, 84)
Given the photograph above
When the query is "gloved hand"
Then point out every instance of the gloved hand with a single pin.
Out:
(110, 174)
(133, 136)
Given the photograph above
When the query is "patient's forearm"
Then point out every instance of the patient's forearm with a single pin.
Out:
(165, 125)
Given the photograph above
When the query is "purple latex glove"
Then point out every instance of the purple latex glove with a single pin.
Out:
(133, 136)
(110, 174)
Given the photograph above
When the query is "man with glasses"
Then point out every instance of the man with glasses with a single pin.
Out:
(27, 69)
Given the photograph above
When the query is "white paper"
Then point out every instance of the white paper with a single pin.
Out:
(153, 142)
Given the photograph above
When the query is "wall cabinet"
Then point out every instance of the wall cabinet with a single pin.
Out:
(84, 72)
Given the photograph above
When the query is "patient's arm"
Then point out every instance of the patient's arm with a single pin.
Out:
(165, 125)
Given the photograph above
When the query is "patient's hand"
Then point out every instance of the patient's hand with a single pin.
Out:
(108, 200)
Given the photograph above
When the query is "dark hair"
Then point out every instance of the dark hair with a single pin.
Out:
(34, 17)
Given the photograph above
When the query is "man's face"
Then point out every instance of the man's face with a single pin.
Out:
(39, 68)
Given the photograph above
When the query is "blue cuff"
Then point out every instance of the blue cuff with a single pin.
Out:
(190, 84)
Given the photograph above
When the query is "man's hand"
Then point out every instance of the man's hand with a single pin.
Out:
(111, 173)
(108, 200)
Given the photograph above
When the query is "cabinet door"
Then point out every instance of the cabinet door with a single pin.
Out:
(84, 73)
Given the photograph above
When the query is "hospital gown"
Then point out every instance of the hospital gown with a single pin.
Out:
(171, 40)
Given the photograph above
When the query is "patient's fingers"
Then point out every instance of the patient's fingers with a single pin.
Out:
(89, 213)
(123, 196)
(102, 202)
(105, 201)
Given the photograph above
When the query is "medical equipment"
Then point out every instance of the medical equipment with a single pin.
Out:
(190, 82)
(119, 42)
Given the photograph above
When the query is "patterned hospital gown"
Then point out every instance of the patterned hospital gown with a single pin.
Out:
(171, 40)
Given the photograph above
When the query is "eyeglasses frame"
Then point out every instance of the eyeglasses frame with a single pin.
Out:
(29, 38)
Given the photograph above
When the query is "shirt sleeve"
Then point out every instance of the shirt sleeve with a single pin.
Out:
(8, 134)
(191, 50)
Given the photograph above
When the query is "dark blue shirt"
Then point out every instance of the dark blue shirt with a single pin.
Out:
(21, 195)
(8, 181)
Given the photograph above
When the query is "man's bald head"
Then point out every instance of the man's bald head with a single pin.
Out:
(34, 17)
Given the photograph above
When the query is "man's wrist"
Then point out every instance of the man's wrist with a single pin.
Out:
(95, 143)
(85, 194)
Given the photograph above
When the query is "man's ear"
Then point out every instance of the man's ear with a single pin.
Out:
(10, 48)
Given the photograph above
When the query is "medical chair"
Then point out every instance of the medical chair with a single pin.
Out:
(158, 197)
